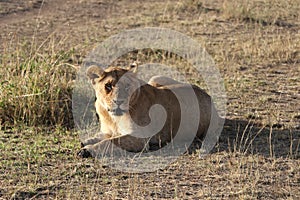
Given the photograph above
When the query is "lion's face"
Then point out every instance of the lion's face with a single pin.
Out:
(116, 88)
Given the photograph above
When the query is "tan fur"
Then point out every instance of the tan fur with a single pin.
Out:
(119, 126)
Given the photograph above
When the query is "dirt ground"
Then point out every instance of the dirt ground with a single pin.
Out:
(258, 55)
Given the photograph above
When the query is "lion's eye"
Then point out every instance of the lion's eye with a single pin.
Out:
(108, 87)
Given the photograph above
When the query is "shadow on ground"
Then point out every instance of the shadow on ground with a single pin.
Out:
(250, 138)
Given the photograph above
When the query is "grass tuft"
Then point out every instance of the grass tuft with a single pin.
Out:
(36, 86)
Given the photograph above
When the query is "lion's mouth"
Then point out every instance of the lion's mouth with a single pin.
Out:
(117, 112)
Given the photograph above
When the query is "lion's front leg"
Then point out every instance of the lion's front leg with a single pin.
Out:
(95, 139)
(115, 146)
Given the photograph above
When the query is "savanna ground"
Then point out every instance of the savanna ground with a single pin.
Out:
(256, 46)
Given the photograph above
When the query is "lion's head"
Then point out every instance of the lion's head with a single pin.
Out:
(116, 88)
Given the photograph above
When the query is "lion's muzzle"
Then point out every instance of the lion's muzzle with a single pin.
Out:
(117, 110)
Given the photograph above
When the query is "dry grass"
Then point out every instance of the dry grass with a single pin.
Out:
(265, 12)
(256, 45)
(36, 84)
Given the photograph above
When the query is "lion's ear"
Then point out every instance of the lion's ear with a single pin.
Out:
(133, 67)
(94, 72)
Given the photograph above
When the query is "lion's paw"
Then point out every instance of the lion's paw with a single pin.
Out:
(84, 153)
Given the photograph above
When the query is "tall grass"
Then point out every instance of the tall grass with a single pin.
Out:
(36, 84)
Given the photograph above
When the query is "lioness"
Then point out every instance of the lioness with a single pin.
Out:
(124, 105)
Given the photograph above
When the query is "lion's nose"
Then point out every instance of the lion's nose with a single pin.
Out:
(118, 102)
